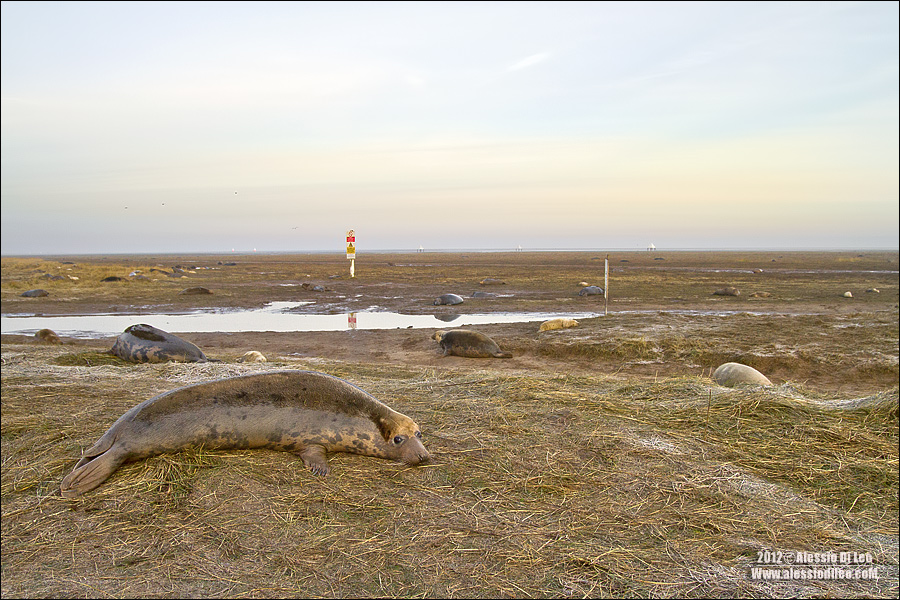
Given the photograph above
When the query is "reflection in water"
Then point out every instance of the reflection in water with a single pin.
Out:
(272, 317)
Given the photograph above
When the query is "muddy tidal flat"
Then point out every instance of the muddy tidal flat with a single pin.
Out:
(600, 460)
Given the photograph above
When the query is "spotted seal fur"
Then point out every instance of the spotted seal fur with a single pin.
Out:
(304, 412)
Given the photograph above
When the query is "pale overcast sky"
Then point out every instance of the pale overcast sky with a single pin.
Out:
(133, 127)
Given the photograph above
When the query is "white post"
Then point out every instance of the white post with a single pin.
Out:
(606, 286)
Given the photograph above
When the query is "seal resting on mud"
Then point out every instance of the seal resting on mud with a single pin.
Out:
(35, 293)
(304, 412)
(47, 336)
(591, 290)
(470, 344)
(448, 299)
(727, 291)
(146, 344)
(195, 291)
(732, 374)
(558, 324)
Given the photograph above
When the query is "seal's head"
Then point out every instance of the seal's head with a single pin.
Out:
(438, 335)
(404, 439)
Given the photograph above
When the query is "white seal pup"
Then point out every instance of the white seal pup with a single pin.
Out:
(252, 356)
(732, 374)
(562, 323)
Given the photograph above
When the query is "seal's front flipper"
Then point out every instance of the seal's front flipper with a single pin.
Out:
(314, 458)
(90, 472)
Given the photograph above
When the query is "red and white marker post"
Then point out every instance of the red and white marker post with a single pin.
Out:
(351, 251)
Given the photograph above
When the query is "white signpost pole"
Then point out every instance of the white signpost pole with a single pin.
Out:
(606, 286)
(351, 251)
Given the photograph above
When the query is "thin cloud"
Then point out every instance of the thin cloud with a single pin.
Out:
(529, 61)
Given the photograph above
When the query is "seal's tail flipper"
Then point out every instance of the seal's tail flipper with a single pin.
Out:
(502, 355)
(97, 464)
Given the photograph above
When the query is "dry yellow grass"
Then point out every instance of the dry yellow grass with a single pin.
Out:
(601, 464)
(540, 486)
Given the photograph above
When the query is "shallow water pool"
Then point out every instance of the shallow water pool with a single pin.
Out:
(275, 316)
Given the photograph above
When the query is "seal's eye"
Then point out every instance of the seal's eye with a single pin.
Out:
(399, 439)
(419, 434)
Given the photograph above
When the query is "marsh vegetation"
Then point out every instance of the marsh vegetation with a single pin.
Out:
(600, 460)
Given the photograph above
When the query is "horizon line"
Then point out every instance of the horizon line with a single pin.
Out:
(655, 249)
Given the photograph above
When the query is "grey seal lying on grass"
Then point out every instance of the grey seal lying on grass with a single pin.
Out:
(304, 412)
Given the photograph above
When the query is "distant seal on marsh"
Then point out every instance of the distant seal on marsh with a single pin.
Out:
(591, 290)
(303, 412)
(146, 344)
(469, 344)
(113, 278)
(558, 324)
(848, 294)
(727, 291)
(731, 374)
(483, 295)
(252, 356)
(492, 281)
(195, 291)
(448, 299)
(35, 293)
(47, 336)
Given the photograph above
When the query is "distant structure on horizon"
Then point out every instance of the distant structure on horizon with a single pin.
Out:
(421, 249)
(651, 247)
(519, 248)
